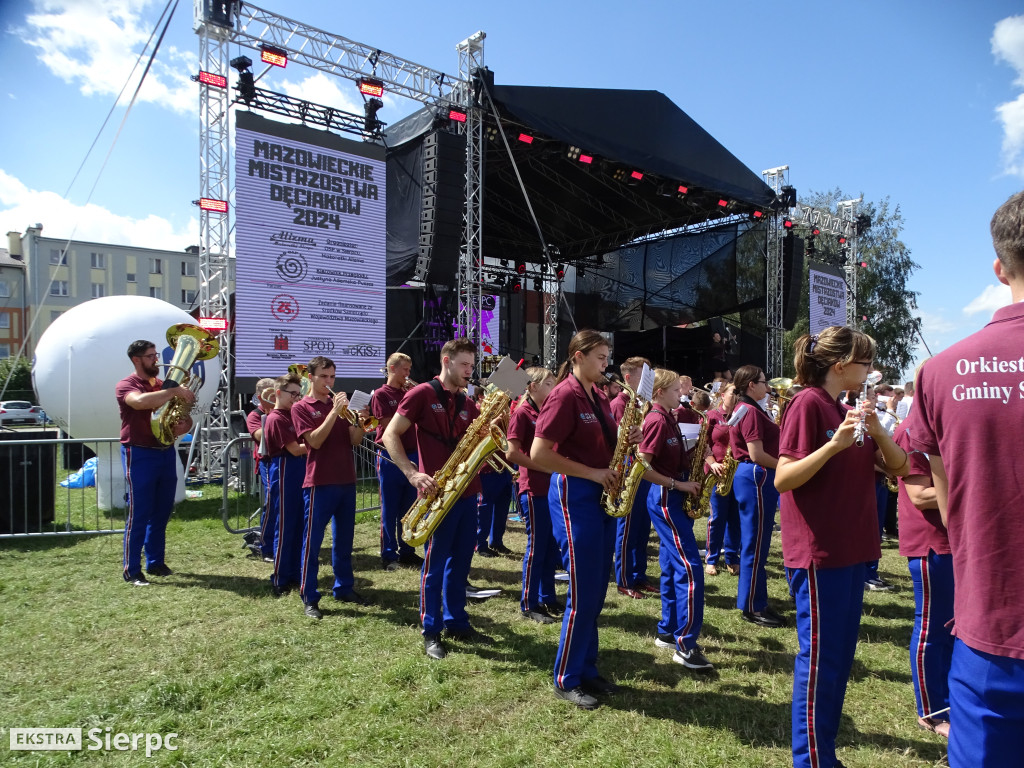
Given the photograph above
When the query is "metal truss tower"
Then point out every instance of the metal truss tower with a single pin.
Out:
(215, 271)
(843, 224)
(776, 178)
(221, 23)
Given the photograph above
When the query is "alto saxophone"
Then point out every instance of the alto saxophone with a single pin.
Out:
(725, 481)
(625, 461)
(699, 506)
(481, 442)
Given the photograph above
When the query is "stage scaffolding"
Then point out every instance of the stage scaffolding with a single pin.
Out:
(221, 23)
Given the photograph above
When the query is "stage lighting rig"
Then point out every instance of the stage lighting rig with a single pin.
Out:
(863, 224)
(246, 83)
(787, 196)
(371, 86)
(272, 55)
(371, 125)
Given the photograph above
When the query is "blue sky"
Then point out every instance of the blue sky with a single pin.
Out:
(919, 101)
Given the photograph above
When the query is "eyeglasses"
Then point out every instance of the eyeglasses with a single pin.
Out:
(761, 381)
(292, 392)
(862, 362)
(153, 356)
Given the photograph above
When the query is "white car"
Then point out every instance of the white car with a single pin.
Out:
(20, 412)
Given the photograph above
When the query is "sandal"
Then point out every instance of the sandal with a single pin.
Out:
(940, 727)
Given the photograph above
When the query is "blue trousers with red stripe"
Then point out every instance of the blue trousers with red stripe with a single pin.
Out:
(268, 520)
(285, 475)
(541, 557)
(586, 537)
(632, 533)
(151, 478)
(682, 578)
(986, 718)
(757, 500)
(828, 608)
(723, 533)
(445, 572)
(496, 492)
(931, 645)
(336, 503)
(396, 496)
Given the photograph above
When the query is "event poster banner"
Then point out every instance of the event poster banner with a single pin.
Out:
(310, 215)
(827, 294)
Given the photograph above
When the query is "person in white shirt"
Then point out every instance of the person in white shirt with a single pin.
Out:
(903, 407)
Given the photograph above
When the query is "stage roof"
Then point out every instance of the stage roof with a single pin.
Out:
(583, 209)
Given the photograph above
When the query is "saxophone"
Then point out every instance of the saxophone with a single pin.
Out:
(700, 505)
(190, 343)
(630, 467)
(481, 442)
(725, 481)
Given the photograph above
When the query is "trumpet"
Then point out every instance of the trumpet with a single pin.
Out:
(352, 417)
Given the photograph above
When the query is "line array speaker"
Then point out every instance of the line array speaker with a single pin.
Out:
(444, 198)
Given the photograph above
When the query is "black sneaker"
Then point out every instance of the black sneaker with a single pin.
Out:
(470, 635)
(877, 585)
(485, 552)
(434, 647)
(138, 581)
(411, 559)
(539, 615)
(390, 565)
(665, 641)
(554, 608)
(501, 549)
(577, 696)
(762, 619)
(159, 570)
(313, 611)
(692, 659)
(598, 686)
(352, 597)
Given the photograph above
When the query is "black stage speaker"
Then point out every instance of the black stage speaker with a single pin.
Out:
(792, 278)
(444, 198)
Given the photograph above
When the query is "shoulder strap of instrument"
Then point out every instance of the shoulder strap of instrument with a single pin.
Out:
(443, 396)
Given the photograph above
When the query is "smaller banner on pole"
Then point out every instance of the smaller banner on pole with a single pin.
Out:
(827, 294)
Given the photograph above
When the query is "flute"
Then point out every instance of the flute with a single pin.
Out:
(872, 379)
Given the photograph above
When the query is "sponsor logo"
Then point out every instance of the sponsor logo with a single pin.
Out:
(281, 342)
(284, 307)
(588, 416)
(464, 415)
(361, 350)
(287, 237)
(437, 407)
(672, 441)
(291, 267)
(830, 433)
(318, 345)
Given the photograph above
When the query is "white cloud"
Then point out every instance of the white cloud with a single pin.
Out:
(989, 300)
(322, 89)
(21, 207)
(95, 44)
(933, 325)
(1008, 46)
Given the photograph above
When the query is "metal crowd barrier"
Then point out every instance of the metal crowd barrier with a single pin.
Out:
(32, 500)
(242, 499)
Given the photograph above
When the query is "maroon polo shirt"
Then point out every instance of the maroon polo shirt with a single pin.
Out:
(832, 519)
(384, 404)
(135, 425)
(332, 463)
(522, 426)
(968, 406)
(756, 425)
(921, 530)
(438, 426)
(568, 420)
(718, 423)
(686, 415)
(280, 431)
(253, 422)
(662, 441)
(618, 405)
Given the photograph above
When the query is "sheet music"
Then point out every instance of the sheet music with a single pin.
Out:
(645, 389)
(690, 434)
(358, 401)
(508, 378)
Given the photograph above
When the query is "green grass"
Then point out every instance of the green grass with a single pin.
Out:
(245, 679)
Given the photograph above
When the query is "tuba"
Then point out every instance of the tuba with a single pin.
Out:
(481, 442)
(630, 467)
(190, 343)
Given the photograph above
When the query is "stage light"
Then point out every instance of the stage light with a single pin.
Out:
(756, 215)
(560, 272)
(503, 262)
(217, 81)
(246, 87)
(211, 205)
(537, 284)
(369, 86)
(863, 223)
(516, 286)
(241, 63)
(787, 224)
(271, 55)
(787, 196)
(864, 265)
(809, 248)
(815, 231)
(588, 159)
(573, 153)
(526, 138)
(722, 203)
(491, 132)
(842, 240)
(370, 122)
(619, 174)
(636, 176)
(521, 267)
(543, 267)
(457, 115)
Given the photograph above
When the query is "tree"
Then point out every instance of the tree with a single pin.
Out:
(884, 303)
(19, 386)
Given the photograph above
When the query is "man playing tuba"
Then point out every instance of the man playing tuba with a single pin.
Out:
(150, 467)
